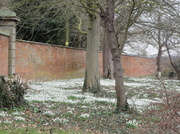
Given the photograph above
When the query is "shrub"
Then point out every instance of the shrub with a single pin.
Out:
(169, 73)
(12, 91)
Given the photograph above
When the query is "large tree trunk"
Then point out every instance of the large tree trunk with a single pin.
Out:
(108, 67)
(92, 77)
(116, 51)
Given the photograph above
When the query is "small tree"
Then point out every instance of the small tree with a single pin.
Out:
(127, 13)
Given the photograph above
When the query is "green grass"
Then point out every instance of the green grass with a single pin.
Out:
(130, 125)
(72, 98)
(40, 131)
(67, 115)
(21, 131)
(126, 79)
(76, 98)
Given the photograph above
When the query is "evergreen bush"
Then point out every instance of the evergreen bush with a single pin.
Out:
(12, 91)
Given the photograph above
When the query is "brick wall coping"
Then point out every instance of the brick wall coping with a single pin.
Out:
(138, 56)
(61, 46)
(46, 44)
(4, 32)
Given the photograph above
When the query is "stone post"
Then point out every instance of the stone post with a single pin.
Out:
(8, 20)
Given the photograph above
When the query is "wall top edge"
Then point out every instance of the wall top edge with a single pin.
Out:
(9, 18)
(46, 44)
(4, 32)
(61, 46)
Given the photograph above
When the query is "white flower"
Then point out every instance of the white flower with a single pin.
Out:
(3, 114)
(6, 121)
(133, 122)
(19, 118)
(84, 115)
(48, 113)
(18, 113)
(60, 120)
(69, 108)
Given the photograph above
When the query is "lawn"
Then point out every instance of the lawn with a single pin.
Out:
(59, 106)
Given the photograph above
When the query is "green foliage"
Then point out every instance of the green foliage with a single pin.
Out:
(72, 98)
(167, 72)
(12, 91)
(36, 110)
(130, 125)
(45, 21)
(40, 131)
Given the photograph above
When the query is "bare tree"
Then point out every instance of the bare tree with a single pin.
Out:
(108, 66)
(117, 32)
(92, 76)
(157, 24)
(120, 17)
(116, 51)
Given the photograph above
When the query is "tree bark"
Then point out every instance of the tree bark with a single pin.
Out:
(116, 51)
(158, 75)
(108, 67)
(92, 77)
(159, 62)
(67, 25)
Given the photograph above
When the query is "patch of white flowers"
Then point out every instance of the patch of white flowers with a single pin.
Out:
(60, 120)
(3, 114)
(6, 121)
(19, 118)
(48, 113)
(18, 113)
(86, 115)
(133, 122)
(54, 91)
(70, 110)
(125, 115)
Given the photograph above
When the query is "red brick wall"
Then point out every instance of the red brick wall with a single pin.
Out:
(138, 66)
(46, 62)
(4, 41)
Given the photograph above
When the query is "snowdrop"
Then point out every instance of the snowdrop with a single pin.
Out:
(133, 122)
(48, 113)
(18, 113)
(60, 120)
(86, 115)
(6, 121)
(3, 114)
(19, 118)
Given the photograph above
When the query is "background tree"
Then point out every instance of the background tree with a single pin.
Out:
(108, 66)
(45, 21)
(172, 44)
(155, 25)
(5, 3)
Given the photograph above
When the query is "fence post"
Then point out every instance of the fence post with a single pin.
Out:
(8, 20)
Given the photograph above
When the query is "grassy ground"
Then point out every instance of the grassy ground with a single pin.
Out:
(155, 109)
